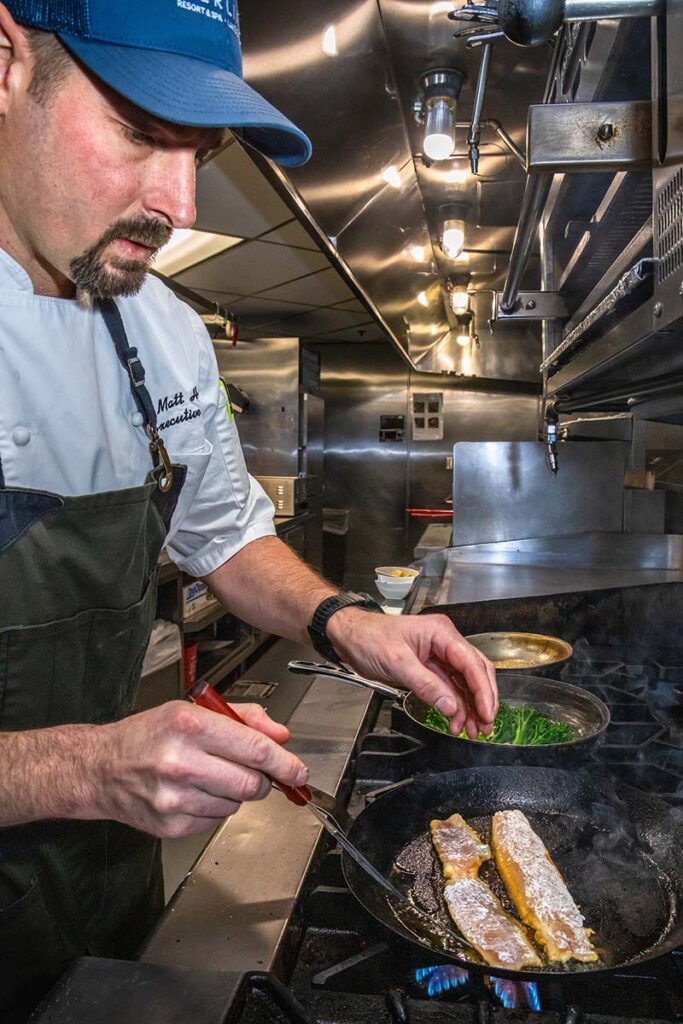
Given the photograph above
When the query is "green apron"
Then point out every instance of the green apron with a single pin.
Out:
(77, 603)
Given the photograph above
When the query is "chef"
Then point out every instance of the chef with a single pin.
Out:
(105, 110)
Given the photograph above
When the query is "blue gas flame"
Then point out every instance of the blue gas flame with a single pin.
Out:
(440, 978)
(513, 994)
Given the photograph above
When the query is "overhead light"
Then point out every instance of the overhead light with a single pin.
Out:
(392, 176)
(453, 238)
(441, 88)
(329, 41)
(439, 140)
(187, 247)
(460, 299)
(458, 176)
(417, 252)
(464, 331)
(453, 229)
(422, 299)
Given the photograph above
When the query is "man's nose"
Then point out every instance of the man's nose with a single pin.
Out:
(172, 188)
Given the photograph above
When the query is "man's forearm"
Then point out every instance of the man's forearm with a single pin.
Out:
(47, 773)
(267, 585)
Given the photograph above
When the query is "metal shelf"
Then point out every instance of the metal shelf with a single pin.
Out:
(232, 659)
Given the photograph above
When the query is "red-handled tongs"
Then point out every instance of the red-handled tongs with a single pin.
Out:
(329, 812)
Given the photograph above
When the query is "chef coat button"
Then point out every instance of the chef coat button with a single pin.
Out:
(21, 436)
(136, 419)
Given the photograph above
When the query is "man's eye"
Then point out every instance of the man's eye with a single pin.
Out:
(139, 138)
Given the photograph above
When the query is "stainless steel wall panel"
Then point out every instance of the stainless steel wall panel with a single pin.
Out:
(268, 370)
(505, 491)
(378, 481)
(360, 383)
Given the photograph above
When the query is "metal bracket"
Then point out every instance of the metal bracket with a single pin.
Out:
(533, 306)
(589, 137)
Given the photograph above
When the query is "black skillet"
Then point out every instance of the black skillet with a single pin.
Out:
(587, 715)
(620, 852)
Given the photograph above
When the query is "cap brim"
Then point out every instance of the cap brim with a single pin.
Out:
(188, 91)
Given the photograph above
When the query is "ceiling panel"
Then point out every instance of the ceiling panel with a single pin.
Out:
(265, 310)
(253, 267)
(292, 234)
(364, 332)
(319, 321)
(355, 305)
(322, 289)
(234, 199)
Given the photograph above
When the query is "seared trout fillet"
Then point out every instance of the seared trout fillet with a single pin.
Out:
(484, 923)
(476, 911)
(461, 850)
(538, 890)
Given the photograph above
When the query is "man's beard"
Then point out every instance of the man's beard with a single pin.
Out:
(118, 276)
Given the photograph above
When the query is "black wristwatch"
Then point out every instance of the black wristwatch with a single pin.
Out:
(324, 612)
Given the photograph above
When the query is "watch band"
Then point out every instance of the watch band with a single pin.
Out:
(317, 629)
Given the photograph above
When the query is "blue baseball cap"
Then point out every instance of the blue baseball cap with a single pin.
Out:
(180, 60)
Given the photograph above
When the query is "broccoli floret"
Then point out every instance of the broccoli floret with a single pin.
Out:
(521, 726)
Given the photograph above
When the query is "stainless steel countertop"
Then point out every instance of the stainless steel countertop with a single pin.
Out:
(526, 568)
(231, 911)
(285, 523)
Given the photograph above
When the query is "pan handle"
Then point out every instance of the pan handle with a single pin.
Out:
(345, 675)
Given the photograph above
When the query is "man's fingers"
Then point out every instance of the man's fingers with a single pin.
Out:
(433, 686)
(247, 746)
(258, 718)
(464, 658)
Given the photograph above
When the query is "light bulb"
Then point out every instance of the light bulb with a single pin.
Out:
(462, 340)
(460, 300)
(453, 239)
(439, 140)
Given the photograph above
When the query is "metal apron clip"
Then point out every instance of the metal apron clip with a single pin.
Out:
(160, 457)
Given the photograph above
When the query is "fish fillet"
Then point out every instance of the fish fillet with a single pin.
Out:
(461, 850)
(484, 923)
(538, 890)
(479, 916)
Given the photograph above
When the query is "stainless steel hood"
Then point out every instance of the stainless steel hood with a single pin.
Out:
(369, 190)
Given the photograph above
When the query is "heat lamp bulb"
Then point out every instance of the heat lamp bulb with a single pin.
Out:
(439, 140)
(453, 240)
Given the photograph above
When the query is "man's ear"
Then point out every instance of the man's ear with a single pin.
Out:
(15, 58)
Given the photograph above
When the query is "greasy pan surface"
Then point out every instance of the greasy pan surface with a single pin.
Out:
(619, 850)
(525, 651)
(587, 715)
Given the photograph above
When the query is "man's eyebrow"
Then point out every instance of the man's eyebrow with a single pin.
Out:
(206, 139)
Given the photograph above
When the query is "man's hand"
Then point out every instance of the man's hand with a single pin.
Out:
(427, 654)
(179, 769)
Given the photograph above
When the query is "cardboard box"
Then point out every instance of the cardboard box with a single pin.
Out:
(196, 597)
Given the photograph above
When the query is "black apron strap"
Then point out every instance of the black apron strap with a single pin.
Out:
(130, 361)
(128, 357)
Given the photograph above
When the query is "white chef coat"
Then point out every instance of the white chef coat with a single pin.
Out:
(69, 424)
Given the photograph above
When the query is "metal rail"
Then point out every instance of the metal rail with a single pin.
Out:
(479, 93)
(535, 195)
(593, 10)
